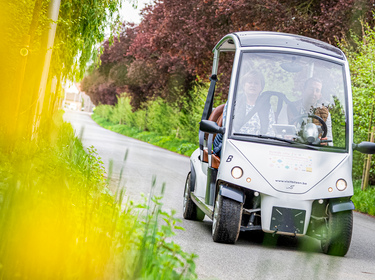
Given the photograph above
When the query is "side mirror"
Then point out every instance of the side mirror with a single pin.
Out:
(211, 127)
(365, 147)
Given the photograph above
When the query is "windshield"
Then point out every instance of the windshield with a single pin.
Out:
(290, 98)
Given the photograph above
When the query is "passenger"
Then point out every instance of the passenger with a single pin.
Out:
(253, 84)
(311, 103)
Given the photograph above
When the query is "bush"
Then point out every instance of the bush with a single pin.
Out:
(171, 142)
(162, 118)
(105, 111)
(191, 114)
(122, 112)
(171, 126)
(364, 201)
(361, 60)
(180, 119)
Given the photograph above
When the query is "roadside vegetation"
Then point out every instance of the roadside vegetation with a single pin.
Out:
(364, 201)
(158, 123)
(59, 220)
(360, 51)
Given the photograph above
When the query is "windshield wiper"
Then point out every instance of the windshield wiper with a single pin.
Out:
(278, 139)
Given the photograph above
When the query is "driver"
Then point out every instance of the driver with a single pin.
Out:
(252, 85)
(311, 103)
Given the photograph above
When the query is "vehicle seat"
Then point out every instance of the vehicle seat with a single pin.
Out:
(216, 116)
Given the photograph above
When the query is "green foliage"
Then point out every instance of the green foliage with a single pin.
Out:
(171, 126)
(31, 80)
(54, 210)
(81, 26)
(58, 219)
(338, 123)
(171, 142)
(364, 201)
(155, 243)
(191, 113)
(105, 111)
(362, 67)
(161, 118)
(123, 112)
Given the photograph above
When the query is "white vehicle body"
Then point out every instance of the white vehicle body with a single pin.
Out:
(278, 180)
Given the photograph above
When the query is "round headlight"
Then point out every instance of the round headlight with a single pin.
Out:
(237, 172)
(341, 184)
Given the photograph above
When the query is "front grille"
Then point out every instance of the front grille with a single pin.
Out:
(288, 220)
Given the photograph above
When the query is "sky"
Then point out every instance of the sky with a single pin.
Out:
(128, 13)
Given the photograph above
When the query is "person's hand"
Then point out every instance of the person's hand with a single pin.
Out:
(323, 143)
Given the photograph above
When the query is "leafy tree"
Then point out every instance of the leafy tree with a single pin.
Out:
(99, 89)
(325, 20)
(25, 101)
(112, 70)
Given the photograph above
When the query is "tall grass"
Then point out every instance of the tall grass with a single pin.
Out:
(364, 201)
(58, 219)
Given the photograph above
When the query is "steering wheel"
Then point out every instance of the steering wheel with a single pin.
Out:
(322, 122)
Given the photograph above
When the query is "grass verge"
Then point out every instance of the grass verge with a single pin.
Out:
(58, 219)
(170, 142)
(364, 201)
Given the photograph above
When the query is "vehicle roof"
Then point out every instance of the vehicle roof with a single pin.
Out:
(285, 40)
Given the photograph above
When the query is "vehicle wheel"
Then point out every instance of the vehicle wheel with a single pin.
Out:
(191, 211)
(338, 233)
(226, 220)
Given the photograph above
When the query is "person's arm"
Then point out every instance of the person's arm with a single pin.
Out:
(218, 141)
(271, 117)
(225, 113)
(329, 130)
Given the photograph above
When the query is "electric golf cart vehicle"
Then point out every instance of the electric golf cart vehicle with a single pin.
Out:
(285, 165)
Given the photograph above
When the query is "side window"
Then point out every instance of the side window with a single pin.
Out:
(224, 74)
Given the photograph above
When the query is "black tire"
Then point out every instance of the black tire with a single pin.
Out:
(338, 235)
(226, 222)
(191, 211)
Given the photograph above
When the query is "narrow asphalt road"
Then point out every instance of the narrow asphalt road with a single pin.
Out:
(285, 258)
